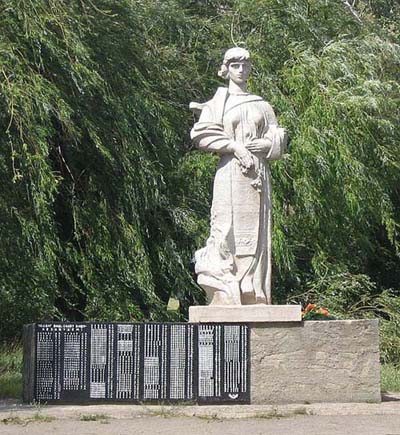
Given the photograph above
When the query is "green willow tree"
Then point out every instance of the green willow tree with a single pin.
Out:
(103, 201)
(91, 113)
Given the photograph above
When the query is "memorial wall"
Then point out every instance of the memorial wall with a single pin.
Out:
(136, 362)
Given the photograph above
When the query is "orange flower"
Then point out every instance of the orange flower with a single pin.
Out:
(309, 307)
(323, 311)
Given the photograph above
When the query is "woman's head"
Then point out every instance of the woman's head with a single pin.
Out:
(235, 58)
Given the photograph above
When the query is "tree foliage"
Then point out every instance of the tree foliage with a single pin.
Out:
(103, 201)
(93, 125)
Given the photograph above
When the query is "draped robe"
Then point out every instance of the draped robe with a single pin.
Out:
(235, 264)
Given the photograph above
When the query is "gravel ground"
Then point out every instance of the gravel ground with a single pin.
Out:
(319, 419)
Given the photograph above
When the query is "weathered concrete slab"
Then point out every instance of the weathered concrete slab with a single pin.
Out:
(245, 313)
(315, 361)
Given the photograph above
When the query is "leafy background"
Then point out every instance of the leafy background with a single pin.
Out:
(103, 201)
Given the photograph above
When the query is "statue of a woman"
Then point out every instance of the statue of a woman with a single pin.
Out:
(235, 265)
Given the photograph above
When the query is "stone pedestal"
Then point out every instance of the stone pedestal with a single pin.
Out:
(245, 313)
(305, 362)
(315, 361)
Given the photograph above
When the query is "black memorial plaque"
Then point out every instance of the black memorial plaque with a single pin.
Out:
(136, 362)
(61, 361)
(223, 363)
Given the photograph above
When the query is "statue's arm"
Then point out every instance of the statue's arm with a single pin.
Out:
(277, 135)
(273, 139)
(210, 136)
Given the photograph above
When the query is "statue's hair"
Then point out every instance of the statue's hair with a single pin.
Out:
(235, 54)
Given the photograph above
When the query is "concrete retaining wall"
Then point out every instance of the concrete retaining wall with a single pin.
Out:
(315, 361)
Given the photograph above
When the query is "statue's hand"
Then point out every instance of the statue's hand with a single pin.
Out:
(261, 145)
(244, 156)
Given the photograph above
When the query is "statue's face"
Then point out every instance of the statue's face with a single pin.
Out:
(239, 71)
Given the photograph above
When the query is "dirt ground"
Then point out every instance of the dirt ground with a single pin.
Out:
(319, 419)
(321, 425)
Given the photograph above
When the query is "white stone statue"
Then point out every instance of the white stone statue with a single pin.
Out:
(235, 265)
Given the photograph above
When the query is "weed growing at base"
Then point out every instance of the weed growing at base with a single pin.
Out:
(94, 417)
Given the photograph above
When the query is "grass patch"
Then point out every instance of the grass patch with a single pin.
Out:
(36, 418)
(42, 418)
(94, 417)
(275, 414)
(160, 412)
(390, 378)
(269, 415)
(212, 417)
(13, 419)
(11, 386)
(11, 371)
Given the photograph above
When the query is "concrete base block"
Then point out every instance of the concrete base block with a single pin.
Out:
(245, 313)
(315, 361)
